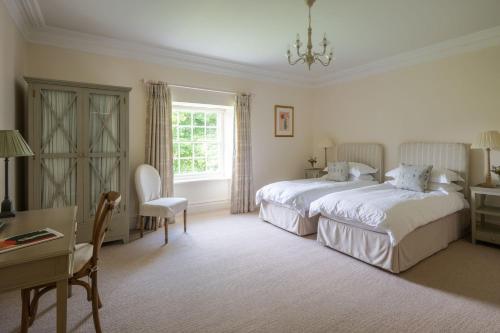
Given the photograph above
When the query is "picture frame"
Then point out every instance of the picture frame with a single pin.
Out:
(284, 121)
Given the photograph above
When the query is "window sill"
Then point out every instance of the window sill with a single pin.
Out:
(197, 180)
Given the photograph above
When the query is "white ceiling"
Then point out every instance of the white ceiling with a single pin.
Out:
(257, 32)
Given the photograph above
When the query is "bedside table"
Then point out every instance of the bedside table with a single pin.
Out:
(482, 230)
(314, 172)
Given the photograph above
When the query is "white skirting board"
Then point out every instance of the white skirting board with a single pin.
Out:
(193, 208)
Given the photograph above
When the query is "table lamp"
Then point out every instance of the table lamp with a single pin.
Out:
(326, 143)
(487, 140)
(12, 144)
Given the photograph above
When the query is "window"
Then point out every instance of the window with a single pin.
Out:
(199, 140)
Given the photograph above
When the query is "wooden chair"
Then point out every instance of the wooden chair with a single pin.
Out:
(85, 264)
(148, 185)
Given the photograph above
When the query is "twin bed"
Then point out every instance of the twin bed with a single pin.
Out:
(380, 224)
(286, 204)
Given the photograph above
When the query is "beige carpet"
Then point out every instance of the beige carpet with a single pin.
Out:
(238, 274)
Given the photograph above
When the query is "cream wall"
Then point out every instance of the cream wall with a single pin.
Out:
(273, 158)
(12, 52)
(450, 100)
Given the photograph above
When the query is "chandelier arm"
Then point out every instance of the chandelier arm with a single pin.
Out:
(295, 61)
(321, 54)
(323, 63)
(298, 53)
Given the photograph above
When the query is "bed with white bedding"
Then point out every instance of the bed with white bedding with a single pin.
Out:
(285, 204)
(394, 228)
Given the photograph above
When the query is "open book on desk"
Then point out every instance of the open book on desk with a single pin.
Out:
(28, 239)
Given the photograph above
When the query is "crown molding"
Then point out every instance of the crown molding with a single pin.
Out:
(26, 14)
(468, 43)
(29, 19)
(164, 56)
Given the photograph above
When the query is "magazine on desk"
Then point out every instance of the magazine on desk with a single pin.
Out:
(28, 239)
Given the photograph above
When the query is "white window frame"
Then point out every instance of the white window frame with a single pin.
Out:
(224, 116)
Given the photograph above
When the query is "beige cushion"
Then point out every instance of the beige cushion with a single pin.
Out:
(163, 207)
(83, 253)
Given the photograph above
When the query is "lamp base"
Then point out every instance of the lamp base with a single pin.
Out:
(7, 210)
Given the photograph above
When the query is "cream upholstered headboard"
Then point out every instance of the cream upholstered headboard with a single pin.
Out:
(371, 154)
(452, 156)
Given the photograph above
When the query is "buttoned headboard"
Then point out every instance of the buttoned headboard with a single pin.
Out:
(371, 154)
(452, 156)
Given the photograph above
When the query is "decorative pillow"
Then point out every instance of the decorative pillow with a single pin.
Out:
(442, 176)
(338, 171)
(356, 169)
(413, 177)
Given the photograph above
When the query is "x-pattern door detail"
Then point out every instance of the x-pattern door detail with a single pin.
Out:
(58, 147)
(104, 146)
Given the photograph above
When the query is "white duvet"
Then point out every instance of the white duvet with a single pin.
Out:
(387, 209)
(298, 194)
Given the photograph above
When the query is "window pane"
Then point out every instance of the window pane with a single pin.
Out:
(175, 115)
(186, 166)
(212, 165)
(198, 134)
(197, 147)
(176, 150)
(199, 150)
(186, 150)
(199, 165)
(199, 119)
(184, 118)
(211, 119)
(213, 150)
(176, 165)
(211, 133)
(184, 133)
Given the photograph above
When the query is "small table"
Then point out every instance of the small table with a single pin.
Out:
(482, 230)
(314, 172)
(43, 263)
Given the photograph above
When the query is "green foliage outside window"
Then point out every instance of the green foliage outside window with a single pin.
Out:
(196, 140)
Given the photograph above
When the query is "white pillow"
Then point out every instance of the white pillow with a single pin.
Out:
(451, 187)
(361, 177)
(442, 176)
(445, 176)
(356, 169)
(392, 173)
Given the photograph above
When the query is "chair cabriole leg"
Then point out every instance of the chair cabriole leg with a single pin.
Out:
(166, 230)
(185, 219)
(142, 225)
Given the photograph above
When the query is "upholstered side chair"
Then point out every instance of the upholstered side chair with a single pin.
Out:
(151, 204)
(85, 265)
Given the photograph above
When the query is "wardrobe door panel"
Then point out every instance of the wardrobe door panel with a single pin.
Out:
(104, 155)
(56, 172)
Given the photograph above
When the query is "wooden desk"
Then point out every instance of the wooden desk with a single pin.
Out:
(42, 263)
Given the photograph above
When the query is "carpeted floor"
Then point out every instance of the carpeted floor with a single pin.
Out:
(238, 274)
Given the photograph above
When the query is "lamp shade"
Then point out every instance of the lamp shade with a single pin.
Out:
(12, 144)
(325, 143)
(488, 139)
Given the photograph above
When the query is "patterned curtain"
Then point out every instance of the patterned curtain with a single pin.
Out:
(242, 196)
(159, 148)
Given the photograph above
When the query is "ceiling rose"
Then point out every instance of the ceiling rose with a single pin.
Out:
(310, 57)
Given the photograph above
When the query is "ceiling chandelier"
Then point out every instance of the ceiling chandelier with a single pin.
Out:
(309, 57)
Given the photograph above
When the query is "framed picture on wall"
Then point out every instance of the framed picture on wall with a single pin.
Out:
(283, 121)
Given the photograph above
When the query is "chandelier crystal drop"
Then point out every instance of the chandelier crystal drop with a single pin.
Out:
(309, 57)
